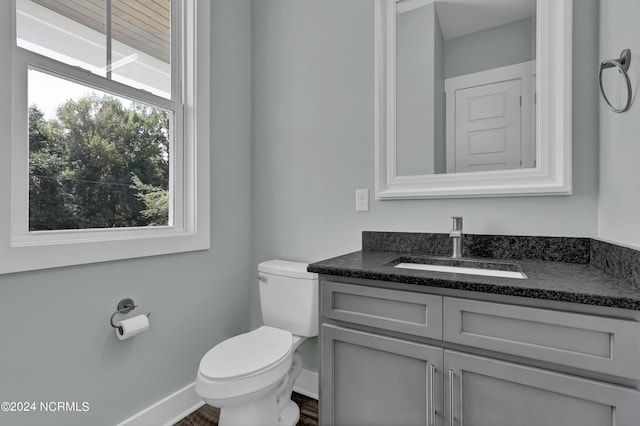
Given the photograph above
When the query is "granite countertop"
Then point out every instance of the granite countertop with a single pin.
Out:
(554, 280)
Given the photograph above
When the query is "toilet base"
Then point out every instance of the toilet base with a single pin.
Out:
(270, 407)
(290, 415)
(260, 411)
(263, 411)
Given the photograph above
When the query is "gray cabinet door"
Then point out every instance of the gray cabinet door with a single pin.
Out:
(368, 379)
(486, 392)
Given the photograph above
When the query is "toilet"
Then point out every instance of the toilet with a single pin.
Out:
(250, 377)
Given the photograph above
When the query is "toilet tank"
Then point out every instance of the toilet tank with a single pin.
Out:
(289, 297)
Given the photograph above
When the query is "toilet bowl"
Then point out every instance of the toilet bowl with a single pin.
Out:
(250, 376)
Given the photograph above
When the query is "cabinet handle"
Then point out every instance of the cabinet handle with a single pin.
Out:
(432, 401)
(451, 420)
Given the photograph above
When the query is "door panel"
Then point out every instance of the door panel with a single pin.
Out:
(488, 392)
(368, 379)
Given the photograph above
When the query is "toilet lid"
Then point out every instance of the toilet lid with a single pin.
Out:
(244, 354)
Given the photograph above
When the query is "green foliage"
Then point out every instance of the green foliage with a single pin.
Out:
(98, 165)
(155, 199)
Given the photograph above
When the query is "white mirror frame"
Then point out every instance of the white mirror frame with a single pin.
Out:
(552, 174)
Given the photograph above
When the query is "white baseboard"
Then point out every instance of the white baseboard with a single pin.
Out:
(307, 383)
(168, 411)
(180, 404)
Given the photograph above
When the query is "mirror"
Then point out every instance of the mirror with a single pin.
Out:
(465, 86)
(473, 98)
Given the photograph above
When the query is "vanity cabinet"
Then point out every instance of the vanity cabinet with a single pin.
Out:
(391, 357)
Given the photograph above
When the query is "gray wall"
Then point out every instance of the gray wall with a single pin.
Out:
(416, 91)
(440, 100)
(619, 200)
(313, 141)
(496, 47)
(57, 344)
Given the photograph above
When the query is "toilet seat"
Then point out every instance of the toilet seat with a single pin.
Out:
(243, 365)
(246, 354)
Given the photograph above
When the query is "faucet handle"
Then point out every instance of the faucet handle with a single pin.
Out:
(457, 223)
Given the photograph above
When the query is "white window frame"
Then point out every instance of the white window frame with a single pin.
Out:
(21, 250)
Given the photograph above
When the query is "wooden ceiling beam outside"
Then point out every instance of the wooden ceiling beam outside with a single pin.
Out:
(141, 24)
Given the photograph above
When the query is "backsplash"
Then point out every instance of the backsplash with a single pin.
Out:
(554, 249)
(621, 262)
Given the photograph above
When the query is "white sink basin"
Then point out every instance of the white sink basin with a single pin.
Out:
(463, 270)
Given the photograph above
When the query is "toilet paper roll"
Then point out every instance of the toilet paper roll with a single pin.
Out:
(130, 327)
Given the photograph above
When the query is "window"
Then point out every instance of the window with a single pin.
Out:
(95, 160)
(109, 142)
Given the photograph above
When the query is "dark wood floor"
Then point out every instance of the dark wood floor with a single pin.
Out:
(208, 415)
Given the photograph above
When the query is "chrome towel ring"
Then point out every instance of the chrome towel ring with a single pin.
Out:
(622, 64)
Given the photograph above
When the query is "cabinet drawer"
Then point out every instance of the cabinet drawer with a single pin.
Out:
(600, 344)
(405, 312)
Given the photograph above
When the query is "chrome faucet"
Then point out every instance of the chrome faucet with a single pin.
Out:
(456, 236)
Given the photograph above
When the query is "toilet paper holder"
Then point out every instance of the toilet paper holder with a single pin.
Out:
(124, 307)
